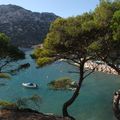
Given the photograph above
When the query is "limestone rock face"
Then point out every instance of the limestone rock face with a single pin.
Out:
(24, 27)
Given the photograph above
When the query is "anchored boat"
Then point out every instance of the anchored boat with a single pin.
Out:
(30, 85)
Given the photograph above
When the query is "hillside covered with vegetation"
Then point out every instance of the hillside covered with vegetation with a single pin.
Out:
(24, 27)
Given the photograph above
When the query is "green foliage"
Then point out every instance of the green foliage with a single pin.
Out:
(8, 50)
(44, 61)
(116, 25)
(66, 38)
(6, 104)
(95, 46)
(5, 76)
(39, 52)
(82, 38)
(52, 41)
(95, 34)
(103, 13)
(3, 39)
(70, 36)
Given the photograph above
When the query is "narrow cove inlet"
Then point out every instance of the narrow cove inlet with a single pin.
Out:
(93, 103)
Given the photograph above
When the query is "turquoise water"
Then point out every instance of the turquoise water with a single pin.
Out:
(93, 103)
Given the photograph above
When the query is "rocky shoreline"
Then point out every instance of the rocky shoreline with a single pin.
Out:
(101, 67)
(26, 114)
(97, 66)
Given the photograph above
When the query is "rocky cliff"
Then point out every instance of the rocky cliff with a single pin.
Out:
(26, 114)
(24, 27)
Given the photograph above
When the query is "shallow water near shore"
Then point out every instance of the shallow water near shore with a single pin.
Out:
(93, 103)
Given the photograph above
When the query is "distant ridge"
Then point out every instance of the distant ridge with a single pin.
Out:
(24, 27)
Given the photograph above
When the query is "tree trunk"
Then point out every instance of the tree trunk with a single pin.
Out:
(75, 95)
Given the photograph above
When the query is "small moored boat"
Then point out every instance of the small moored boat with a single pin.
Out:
(30, 85)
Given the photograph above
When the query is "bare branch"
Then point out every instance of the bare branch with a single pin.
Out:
(94, 67)
(89, 73)
(72, 63)
(5, 64)
(117, 69)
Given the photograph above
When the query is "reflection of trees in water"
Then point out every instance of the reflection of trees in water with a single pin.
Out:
(2, 84)
(20, 68)
(25, 102)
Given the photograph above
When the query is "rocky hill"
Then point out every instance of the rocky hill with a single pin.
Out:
(24, 27)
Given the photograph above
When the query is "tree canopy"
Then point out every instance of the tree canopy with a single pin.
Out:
(106, 46)
(8, 52)
(96, 33)
(90, 36)
(69, 39)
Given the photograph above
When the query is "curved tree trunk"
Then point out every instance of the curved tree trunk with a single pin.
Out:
(75, 95)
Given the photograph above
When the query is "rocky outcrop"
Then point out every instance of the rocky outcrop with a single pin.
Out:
(26, 114)
(116, 103)
(24, 27)
(101, 67)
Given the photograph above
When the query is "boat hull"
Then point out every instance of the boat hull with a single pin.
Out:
(27, 85)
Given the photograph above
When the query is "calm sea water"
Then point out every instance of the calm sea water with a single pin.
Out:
(93, 103)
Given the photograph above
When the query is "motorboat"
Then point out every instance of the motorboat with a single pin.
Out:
(30, 85)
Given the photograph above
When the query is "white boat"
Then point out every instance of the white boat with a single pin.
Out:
(30, 85)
